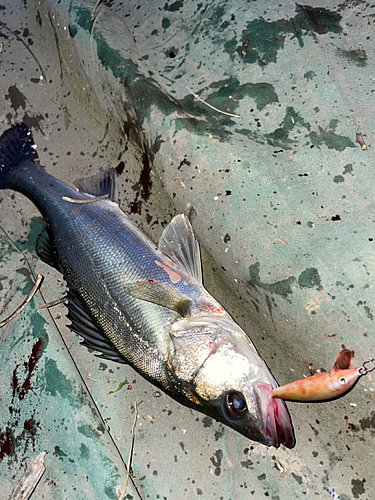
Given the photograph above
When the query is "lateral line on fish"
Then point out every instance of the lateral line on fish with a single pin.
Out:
(19, 309)
(89, 200)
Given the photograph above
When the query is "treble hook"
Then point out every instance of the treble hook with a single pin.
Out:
(363, 370)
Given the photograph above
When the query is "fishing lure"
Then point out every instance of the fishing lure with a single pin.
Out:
(325, 385)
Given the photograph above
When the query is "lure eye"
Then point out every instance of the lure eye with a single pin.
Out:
(343, 380)
(236, 404)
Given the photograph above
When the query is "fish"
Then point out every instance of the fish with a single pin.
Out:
(323, 385)
(144, 304)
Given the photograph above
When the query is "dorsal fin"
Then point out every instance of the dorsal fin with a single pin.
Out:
(179, 244)
(104, 182)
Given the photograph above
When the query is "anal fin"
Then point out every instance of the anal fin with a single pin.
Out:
(84, 325)
(44, 249)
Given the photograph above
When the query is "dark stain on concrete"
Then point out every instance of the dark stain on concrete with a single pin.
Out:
(358, 57)
(17, 99)
(368, 423)
(338, 179)
(283, 287)
(348, 169)
(36, 227)
(268, 38)
(329, 138)
(310, 278)
(358, 487)
(280, 137)
(216, 460)
(207, 421)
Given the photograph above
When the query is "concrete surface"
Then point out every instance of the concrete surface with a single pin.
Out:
(280, 198)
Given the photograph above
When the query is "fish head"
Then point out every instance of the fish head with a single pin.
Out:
(232, 384)
(237, 391)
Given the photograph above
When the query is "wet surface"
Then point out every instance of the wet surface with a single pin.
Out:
(281, 199)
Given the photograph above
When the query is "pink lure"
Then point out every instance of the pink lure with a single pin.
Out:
(322, 386)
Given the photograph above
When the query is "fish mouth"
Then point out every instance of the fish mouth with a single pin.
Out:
(277, 424)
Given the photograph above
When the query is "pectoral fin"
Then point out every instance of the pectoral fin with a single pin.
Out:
(159, 293)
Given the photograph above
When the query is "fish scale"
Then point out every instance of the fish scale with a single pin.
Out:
(145, 305)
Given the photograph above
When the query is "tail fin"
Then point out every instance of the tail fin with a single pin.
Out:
(16, 146)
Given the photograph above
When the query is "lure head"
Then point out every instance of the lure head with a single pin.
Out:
(342, 380)
(343, 377)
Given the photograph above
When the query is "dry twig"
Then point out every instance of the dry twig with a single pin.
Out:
(359, 139)
(181, 183)
(130, 452)
(27, 47)
(30, 479)
(244, 48)
(209, 105)
(53, 303)
(86, 200)
(33, 291)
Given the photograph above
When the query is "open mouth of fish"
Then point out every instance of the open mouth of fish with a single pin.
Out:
(275, 416)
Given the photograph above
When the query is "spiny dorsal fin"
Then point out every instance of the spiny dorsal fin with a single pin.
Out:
(159, 293)
(104, 182)
(179, 244)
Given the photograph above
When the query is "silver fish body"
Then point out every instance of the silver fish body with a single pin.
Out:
(143, 304)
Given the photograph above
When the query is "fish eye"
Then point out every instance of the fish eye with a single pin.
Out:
(236, 404)
(343, 380)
